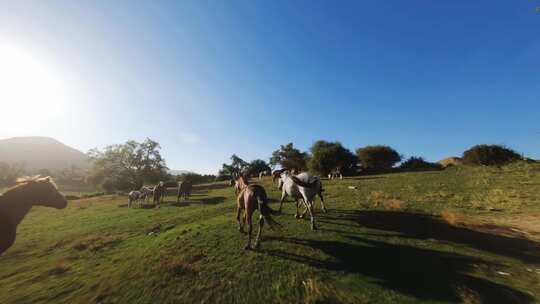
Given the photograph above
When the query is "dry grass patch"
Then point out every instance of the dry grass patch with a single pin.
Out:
(59, 267)
(180, 265)
(96, 242)
(451, 217)
(386, 201)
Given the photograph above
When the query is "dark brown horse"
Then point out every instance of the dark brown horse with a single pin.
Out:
(159, 193)
(18, 200)
(251, 198)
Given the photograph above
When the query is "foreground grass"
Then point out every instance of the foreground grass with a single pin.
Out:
(461, 235)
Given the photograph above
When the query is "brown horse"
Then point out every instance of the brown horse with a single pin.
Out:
(159, 193)
(18, 200)
(251, 198)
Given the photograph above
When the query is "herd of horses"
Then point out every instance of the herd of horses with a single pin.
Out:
(17, 201)
(157, 193)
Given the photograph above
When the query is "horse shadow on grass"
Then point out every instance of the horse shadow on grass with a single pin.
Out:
(424, 226)
(423, 273)
(213, 200)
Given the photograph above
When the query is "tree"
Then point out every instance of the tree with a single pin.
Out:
(256, 166)
(326, 156)
(489, 155)
(378, 157)
(127, 166)
(289, 157)
(415, 163)
(236, 167)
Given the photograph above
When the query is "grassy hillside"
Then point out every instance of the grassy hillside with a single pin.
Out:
(460, 235)
(38, 152)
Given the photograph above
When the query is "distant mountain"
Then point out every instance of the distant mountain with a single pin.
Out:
(179, 172)
(41, 153)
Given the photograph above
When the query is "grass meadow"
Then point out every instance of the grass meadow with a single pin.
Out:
(462, 235)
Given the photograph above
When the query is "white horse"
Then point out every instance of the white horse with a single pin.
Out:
(335, 173)
(134, 197)
(303, 186)
(147, 193)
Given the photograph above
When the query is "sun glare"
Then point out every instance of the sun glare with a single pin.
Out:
(30, 93)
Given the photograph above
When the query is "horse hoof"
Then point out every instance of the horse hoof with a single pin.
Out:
(324, 210)
(296, 216)
(247, 247)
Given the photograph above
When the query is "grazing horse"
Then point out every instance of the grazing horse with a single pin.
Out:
(18, 200)
(263, 173)
(251, 198)
(159, 193)
(184, 190)
(134, 197)
(302, 186)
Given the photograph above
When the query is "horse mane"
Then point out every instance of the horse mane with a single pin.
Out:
(25, 180)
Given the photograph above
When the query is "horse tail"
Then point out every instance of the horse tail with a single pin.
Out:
(266, 211)
(297, 181)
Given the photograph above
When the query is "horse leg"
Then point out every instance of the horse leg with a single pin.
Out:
(309, 206)
(261, 224)
(238, 213)
(322, 201)
(283, 196)
(306, 208)
(250, 229)
(297, 214)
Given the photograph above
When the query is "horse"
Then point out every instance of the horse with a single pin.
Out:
(134, 197)
(251, 198)
(263, 173)
(184, 190)
(17, 201)
(159, 193)
(335, 173)
(303, 186)
(147, 193)
(276, 174)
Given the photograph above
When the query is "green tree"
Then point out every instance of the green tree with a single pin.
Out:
(378, 157)
(256, 166)
(127, 166)
(326, 156)
(236, 167)
(287, 156)
(489, 155)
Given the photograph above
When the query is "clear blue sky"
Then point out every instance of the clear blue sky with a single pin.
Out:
(211, 78)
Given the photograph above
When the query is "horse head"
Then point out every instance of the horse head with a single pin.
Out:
(42, 191)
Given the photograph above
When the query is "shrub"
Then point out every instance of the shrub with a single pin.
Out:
(490, 155)
(378, 157)
(419, 164)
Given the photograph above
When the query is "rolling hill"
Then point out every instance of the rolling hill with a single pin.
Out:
(41, 152)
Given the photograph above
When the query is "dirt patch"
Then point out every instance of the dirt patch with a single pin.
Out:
(180, 265)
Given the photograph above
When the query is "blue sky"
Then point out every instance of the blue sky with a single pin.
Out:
(211, 78)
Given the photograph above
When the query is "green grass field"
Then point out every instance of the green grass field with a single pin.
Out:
(461, 235)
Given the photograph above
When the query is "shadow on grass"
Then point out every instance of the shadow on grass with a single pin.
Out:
(422, 226)
(422, 273)
(210, 187)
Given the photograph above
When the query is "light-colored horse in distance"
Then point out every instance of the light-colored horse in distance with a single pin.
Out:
(135, 197)
(184, 190)
(335, 173)
(159, 193)
(17, 201)
(263, 173)
(251, 198)
(302, 187)
(147, 193)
